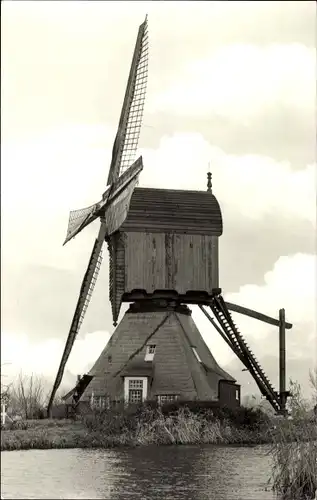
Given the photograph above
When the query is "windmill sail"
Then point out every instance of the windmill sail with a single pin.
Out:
(118, 210)
(119, 199)
(127, 138)
(79, 219)
(122, 179)
(86, 290)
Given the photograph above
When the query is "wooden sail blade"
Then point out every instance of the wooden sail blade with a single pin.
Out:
(117, 212)
(119, 200)
(81, 307)
(133, 171)
(127, 138)
(79, 219)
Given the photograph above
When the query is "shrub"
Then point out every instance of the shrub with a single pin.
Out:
(294, 452)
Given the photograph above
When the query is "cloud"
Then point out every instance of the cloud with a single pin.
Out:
(59, 166)
(43, 358)
(290, 284)
(67, 168)
(43, 180)
(240, 81)
(251, 186)
(67, 66)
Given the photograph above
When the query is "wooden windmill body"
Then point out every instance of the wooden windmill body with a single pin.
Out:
(163, 250)
(164, 256)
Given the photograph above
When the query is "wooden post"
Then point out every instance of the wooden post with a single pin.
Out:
(3, 414)
(282, 361)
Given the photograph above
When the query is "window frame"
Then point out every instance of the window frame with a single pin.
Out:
(168, 400)
(126, 387)
(149, 356)
(99, 402)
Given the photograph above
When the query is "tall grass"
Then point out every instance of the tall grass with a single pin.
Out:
(146, 424)
(178, 425)
(294, 452)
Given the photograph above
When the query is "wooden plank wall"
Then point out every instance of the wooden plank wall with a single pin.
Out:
(182, 262)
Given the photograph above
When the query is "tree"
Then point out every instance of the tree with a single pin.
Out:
(257, 402)
(313, 382)
(28, 396)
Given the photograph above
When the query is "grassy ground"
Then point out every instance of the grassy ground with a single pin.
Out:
(148, 426)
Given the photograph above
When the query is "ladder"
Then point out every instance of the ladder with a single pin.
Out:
(239, 346)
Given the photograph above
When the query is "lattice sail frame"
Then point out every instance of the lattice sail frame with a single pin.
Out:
(128, 134)
(78, 217)
(116, 200)
(132, 131)
(127, 138)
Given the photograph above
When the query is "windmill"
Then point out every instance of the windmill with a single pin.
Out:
(164, 256)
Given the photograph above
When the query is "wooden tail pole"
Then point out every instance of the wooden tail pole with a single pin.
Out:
(282, 362)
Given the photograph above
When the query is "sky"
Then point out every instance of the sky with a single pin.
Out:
(231, 84)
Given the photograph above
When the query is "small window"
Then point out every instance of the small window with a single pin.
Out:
(237, 394)
(99, 402)
(135, 391)
(166, 398)
(196, 354)
(135, 396)
(150, 351)
(135, 384)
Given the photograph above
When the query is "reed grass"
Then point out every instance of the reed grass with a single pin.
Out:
(130, 427)
(294, 452)
(294, 464)
(144, 425)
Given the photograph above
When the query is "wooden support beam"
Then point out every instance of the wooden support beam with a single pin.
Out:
(282, 361)
(257, 315)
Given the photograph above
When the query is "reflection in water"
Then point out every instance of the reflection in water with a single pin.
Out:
(152, 473)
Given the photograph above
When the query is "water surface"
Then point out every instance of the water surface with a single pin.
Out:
(147, 473)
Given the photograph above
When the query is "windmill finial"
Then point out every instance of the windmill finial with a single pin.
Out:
(209, 183)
